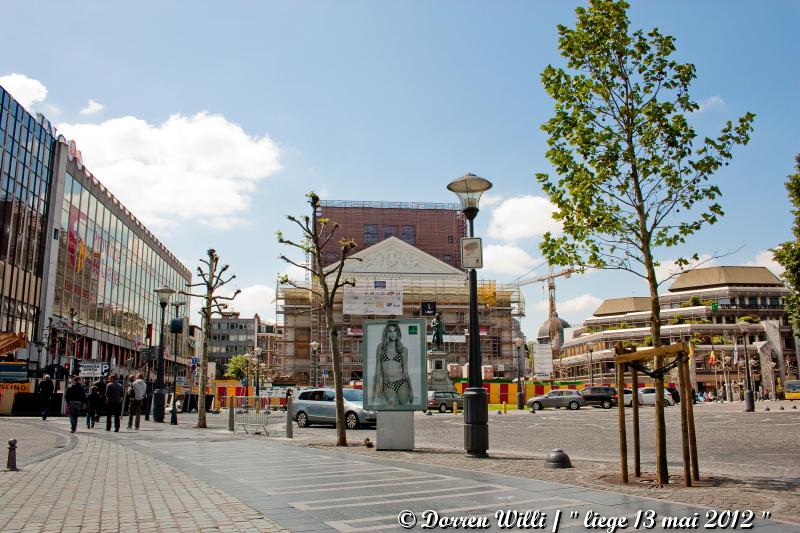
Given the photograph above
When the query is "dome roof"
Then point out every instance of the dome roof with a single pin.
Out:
(544, 330)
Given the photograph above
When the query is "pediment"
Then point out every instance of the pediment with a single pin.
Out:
(393, 256)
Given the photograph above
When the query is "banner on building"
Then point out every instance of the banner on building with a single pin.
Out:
(542, 360)
(374, 297)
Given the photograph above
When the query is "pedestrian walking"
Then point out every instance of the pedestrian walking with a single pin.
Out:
(101, 390)
(75, 396)
(136, 398)
(114, 394)
(93, 403)
(44, 392)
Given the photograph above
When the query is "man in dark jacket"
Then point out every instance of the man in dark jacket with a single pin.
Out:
(44, 391)
(75, 396)
(101, 389)
(114, 394)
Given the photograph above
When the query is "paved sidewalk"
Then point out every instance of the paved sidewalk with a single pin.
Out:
(102, 486)
(34, 443)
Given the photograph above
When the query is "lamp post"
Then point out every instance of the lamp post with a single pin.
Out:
(469, 189)
(591, 366)
(313, 370)
(173, 417)
(518, 342)
(257, 355)
(164, 294)
(749, 403)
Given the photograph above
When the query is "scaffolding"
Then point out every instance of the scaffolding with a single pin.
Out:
(304, 321)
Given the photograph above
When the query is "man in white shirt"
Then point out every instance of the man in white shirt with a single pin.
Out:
(138, 391)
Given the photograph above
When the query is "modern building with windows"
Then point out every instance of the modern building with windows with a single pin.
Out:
(232, 335)
(718, 309)
(79, 269)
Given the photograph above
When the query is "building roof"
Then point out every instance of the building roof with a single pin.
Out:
(619, 306)
(394, 256)
(701, 278)
(544, 329)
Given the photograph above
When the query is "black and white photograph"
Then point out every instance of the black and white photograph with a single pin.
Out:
(394, 365)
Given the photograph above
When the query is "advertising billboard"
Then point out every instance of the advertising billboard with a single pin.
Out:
(374, 297)
(395, 373)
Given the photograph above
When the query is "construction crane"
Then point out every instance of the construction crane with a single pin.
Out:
(550, 278)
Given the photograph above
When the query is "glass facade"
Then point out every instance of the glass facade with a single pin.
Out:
(108, 267)
(25, 180)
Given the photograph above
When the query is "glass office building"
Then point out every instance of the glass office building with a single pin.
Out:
(78, 270)
(25, 183)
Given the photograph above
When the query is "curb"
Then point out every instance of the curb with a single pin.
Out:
(70, 439)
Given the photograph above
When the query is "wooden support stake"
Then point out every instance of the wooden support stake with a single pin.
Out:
(662, 469)
(689, 399)
(637, 462)
(623, 440)
(687, 460)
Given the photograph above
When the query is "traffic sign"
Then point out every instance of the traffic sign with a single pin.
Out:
(194, 361)
(325, 372)
(94, 370)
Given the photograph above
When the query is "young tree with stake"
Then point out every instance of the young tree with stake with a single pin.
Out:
(212, 281)
(316, 233)
(631, 177)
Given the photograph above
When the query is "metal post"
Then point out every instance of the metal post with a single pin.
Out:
(520, 384)
(749, 403)
(158, 394)
(11, 464)
(289, 428)
(591, 368)
(173, 417)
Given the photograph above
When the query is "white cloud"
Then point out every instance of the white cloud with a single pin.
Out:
(295, 273)
(200, 168)
(255, 299)
(712, 102)
(764, 259)
(489, 200)
(521, 217)
(25, 90)
(92, 107)
(508, 260)
(584, 303)
(668, 267)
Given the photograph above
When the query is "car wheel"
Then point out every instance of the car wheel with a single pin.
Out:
(443, 408)
(351, 420)
(574, 406)
(302, 420)
(537, 406)
(666, 403)
(606, 404)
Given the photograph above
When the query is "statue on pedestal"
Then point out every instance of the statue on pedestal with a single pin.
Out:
(437, 327)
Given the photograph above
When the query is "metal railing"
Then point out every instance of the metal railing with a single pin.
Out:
(248, 411)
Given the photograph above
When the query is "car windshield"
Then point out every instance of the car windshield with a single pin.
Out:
(353, 395)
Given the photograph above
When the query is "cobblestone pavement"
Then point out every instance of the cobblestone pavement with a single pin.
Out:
(34, 443)
(101, 485)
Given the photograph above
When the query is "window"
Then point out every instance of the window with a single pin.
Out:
(390, 230)
(370, 233)
(409, 234)
(449, 239)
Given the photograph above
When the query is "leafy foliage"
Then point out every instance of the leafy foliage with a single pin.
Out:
(787, 254)
(239, 367)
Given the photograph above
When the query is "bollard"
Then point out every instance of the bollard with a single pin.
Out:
(505, 408)
(12, 455)
(289, 428)
(231, 420)
(455, 408)
(557, 459)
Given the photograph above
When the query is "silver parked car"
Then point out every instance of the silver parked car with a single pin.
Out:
(318, 406)
(571, 399)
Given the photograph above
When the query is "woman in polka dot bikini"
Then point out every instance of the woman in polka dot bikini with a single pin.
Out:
(392, 383)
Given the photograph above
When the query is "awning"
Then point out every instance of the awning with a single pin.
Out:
(11, 341)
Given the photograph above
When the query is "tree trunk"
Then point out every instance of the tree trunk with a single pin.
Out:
(201, 390)
(333, 340)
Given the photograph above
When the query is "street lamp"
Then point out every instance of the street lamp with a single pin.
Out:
(591, 366)
(164, 294)
(469, 189)
(749, 403)
(257, 355)
(518, 342)
(314, 347)
(173, 417)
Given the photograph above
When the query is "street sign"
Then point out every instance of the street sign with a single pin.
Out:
(428, 308)
(324, 372)
(471, 252)
(195, 361)
(94, 370)
(180, 380)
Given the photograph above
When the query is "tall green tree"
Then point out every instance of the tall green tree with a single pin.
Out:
(326, 283)
(787, 254)
(631, 175)
(239, 366)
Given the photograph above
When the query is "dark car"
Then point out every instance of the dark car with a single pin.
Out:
(443, 401)
(605, 397)
(675, 394)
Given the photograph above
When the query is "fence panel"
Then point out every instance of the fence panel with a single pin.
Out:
(248, 411)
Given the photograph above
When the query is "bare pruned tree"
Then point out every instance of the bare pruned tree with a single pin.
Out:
(214, 304)
(316, 233)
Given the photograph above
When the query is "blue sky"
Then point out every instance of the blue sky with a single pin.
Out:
(211, 123)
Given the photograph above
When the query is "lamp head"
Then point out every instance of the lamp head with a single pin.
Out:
(314, 345)
(469, 189)
(518, 342)
(164, 294)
